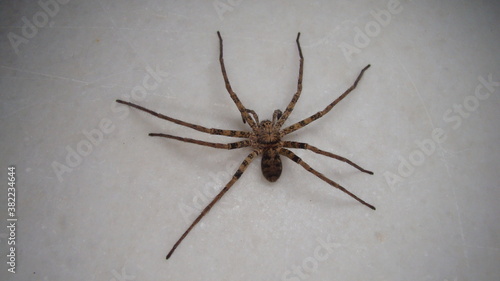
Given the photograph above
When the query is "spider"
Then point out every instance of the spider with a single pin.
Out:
(265, 138)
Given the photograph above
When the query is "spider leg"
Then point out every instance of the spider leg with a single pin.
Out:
(254, 115)
(277, 115)
(235, 177)
(287, 153)
(301, 145)
(229, 133)
(320, 114)
(244, 112)
(233, 145)
(295, 98)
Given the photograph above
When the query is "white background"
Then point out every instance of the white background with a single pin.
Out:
(115, 213)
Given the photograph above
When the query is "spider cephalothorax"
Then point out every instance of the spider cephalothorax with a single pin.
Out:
(266, 135)
(265, 138)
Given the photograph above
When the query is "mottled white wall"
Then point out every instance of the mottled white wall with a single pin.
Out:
(97, 199)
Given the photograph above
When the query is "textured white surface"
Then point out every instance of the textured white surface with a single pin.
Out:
(116, 214)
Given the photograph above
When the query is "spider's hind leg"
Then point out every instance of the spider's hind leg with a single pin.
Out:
(292, 156)
(302, 145)
(241, 169)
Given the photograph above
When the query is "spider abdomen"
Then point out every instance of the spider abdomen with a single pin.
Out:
(271, 165)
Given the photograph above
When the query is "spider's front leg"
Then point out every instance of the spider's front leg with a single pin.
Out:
(277, 115)
(254, 115)
(322, 113)
(295, 97)
(244, 112)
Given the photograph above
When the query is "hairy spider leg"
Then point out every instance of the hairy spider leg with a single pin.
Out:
(295, 97)
(287, 153)
(233, 145)
(301, 145)
(243, 110)
(212, 131)
(320, 114)
(243, 166)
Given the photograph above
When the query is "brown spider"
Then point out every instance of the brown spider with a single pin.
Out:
(265, 139)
